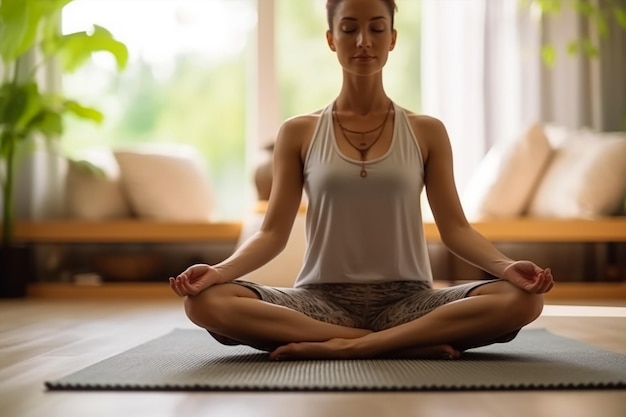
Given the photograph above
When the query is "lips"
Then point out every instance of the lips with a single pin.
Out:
(363, 57)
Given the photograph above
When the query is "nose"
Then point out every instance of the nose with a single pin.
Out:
(363, 40)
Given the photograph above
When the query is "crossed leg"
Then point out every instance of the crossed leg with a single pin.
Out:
(490, 312)
(487, 315)
(232, 311)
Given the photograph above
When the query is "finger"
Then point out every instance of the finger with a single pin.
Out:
(188, 288)
(194, 270)
(542, 286)
(181, 289)
(537, 284)
(549, 285)
(174, 287)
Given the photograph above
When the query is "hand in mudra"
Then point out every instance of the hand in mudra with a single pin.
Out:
(194, 280)
(529, 277)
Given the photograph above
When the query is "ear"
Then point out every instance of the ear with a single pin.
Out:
(394, 37)
(329, 40)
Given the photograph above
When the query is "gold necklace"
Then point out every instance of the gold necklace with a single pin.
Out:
(362, 148)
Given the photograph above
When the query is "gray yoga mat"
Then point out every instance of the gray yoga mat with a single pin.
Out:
(193, 360)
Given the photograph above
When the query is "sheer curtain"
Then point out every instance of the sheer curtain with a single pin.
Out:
(483, 75)
(578, 91)
(471, 74)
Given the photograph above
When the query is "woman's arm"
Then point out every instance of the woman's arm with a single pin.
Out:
(283, 205)
(456, 232)
(270, 240)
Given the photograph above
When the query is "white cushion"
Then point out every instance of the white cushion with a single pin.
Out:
(506, 178)
(92, 195)
(586, 178)
(166, 183)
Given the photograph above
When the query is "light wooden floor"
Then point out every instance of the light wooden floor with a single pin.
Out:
(46, 339)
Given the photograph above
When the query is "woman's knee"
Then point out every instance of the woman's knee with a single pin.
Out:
(199, 308)
(523, 306)
(209, 309)
(520, 306)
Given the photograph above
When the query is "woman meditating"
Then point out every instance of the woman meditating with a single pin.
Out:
(365, 288)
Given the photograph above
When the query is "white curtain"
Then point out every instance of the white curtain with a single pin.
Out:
(483, 75)
(471, 74)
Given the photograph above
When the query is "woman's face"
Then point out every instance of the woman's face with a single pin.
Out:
(362, 36)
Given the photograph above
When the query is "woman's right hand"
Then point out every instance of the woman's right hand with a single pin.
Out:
(194, 280)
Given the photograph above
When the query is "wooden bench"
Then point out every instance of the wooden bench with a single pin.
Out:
(610, 229)
(124, 231)
(607, 230)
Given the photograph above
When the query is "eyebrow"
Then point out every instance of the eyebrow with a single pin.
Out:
(354, 19)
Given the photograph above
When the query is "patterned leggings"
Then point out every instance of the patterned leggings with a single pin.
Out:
(367, 306)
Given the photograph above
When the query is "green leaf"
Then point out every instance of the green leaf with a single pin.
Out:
(548, 54)
(76, 48)
(21, 21)
(34, 103)
(5, 99)
(602, 24)
(573, 48)
(585, 7)
(48, 122)
(16, 102)
(549, 6)
(51, 32)
(35, 12)
(51, 28)
(83, 112)
(589, 48)
(22, 105)
(620, 16)
(7, 140)
(13, 28)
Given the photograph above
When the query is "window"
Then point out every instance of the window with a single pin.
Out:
(192, 73)
(309, 76)
(185, 82)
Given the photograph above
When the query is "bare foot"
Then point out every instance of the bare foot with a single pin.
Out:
(345, 349)
(331, 349)
(429, 352)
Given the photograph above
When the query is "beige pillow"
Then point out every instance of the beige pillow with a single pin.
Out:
(166, 183)
(586, 178)
(95, 195)
(506, 178)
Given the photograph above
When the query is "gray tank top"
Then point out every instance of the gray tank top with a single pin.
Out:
(364, 230)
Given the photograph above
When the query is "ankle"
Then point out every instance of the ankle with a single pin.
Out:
(364, 347)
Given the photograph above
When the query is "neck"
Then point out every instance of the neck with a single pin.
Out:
(362, 95)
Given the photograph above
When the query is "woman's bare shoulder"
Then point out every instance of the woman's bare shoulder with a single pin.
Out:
(297, 132)
(302, 121)
(424, 122)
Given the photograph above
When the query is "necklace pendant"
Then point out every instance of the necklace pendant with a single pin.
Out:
(363, 172)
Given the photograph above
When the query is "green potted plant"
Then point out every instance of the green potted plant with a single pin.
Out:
(32, 28)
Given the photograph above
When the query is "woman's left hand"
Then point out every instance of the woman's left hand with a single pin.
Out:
(529, 277)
